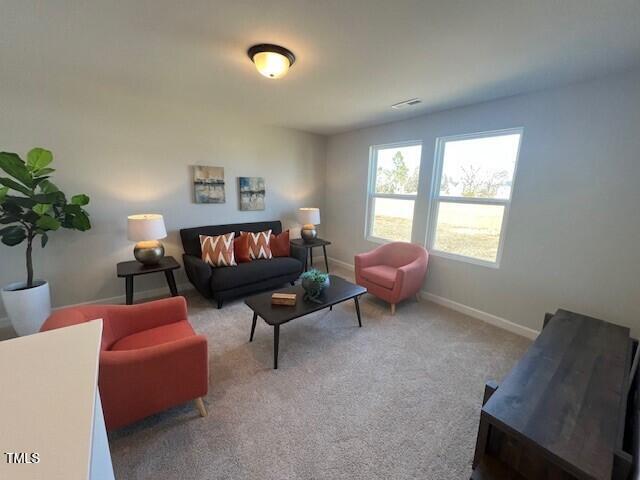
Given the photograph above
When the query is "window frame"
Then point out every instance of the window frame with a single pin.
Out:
(371, 188)
(435, 199)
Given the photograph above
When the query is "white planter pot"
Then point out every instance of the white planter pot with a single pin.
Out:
(27, 308)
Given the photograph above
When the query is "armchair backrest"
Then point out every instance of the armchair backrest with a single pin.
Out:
(65, 317)
(191, 236)
(398, 254)
(120, 320)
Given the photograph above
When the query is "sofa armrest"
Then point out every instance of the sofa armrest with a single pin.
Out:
(299, 253)
(198, 273)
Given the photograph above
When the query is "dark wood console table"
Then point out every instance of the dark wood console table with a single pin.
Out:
(561, 411)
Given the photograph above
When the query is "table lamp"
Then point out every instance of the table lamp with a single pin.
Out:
(309, 217)
(147, 229)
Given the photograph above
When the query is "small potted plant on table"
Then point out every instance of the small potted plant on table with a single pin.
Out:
(314, 282)
(31, 206)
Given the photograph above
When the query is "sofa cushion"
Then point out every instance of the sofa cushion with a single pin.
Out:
(280, 245)
(217, 251)
(253, 272)
(155, 336)
(241, 249)
(382, 275)
(259, 244)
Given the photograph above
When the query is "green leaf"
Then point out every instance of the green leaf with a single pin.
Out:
(47, 187)
(44, 239)
(43, 171)
(48, 223)
(81, 222)
(38, 158)
(71, 208)
(6, 219)
(7, 182)
(14, 166)
(13, 235)
(3, 193)
(53, 197)
(11, 209)
(19, 201)
(42, 208)
(81, 199)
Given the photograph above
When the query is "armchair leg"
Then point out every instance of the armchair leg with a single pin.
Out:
(200, 406)
(393, 309)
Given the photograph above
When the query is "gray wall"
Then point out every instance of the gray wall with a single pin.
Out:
(573, 236)
(133, 155)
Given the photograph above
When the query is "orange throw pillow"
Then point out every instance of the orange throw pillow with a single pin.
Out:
(280, 246)
(241, 248)
(218, 251)
(259, 244)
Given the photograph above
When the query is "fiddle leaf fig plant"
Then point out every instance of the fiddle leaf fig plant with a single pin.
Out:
(31, 205)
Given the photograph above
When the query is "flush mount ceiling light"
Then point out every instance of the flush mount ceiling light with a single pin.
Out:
(272, 61)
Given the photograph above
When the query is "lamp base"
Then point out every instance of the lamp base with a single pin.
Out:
(149, 252)
(309, 233)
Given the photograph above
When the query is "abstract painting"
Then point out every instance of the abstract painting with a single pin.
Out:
(208, 184)
(251, 193)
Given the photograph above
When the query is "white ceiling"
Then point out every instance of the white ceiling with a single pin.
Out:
(354, 57)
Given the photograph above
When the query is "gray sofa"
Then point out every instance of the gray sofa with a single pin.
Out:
(223, 283)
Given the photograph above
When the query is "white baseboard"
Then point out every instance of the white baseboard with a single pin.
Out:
(480, 315)
(118, 299)
(459, 307)
(342, 264)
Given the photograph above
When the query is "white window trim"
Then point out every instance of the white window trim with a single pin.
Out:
(435, 198)
(371, 187)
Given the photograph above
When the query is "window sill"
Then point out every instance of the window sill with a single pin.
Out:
(461, 258)
(378, 240)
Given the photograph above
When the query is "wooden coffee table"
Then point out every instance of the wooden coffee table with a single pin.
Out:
(338, 291)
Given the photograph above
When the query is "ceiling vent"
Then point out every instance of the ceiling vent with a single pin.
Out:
(407, 103)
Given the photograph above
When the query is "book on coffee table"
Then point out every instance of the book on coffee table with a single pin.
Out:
(288, 299)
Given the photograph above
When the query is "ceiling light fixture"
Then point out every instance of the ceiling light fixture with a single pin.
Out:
(406, 103)
(272, 61)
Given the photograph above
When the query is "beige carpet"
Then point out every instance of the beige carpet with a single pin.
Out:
(396, 399)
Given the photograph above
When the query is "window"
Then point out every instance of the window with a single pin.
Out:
(471, 193)
(394, 171)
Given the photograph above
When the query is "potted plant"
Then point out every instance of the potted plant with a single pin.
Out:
(314, 282)
(31, 206)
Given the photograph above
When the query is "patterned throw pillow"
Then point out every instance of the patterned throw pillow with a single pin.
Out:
(259, 245)
(280, 246)
(218, 251)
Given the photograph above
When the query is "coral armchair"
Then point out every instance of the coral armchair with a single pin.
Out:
(150, 359)
(393, 272)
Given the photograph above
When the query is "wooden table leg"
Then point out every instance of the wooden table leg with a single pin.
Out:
(310, 257)
(253, 325)
(129, 289)
(355, 299)
(326, 261)
(276, 341)
(172, 282)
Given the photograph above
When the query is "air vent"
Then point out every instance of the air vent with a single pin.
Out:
(406, 103)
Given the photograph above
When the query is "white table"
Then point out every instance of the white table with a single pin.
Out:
(50, 406)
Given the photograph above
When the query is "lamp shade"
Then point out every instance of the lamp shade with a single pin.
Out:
(309, 216)
(145, 227)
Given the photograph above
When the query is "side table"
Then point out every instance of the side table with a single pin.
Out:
(131, 269)
(318, 242)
